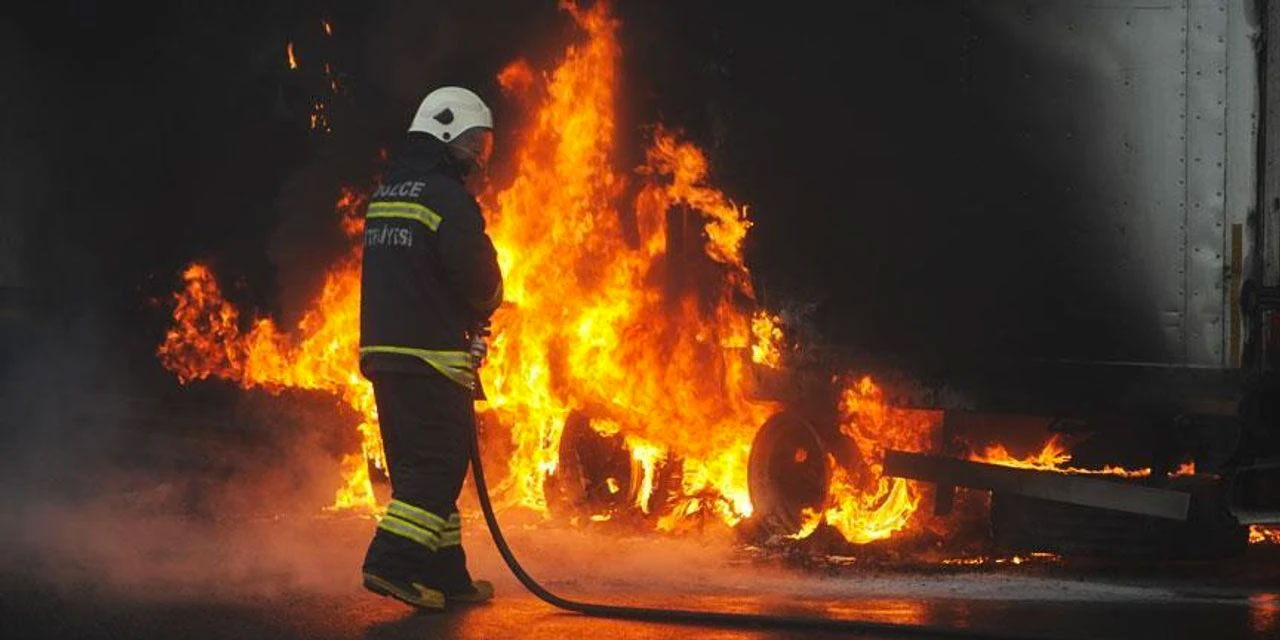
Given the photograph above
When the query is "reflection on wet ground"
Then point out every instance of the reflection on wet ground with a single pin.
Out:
(281, 578)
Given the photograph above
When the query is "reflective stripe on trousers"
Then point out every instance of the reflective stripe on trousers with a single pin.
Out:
(421, 526)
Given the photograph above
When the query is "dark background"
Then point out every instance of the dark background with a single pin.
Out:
(150, 134)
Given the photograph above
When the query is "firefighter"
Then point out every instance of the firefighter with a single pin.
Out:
(429, 283)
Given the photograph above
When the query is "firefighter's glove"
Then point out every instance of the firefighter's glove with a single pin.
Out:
(479, 349)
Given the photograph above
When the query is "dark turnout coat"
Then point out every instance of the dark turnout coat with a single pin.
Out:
(430, 273)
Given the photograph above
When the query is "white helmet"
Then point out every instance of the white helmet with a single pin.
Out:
(447, 112)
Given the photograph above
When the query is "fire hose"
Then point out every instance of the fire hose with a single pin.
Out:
(689, 616)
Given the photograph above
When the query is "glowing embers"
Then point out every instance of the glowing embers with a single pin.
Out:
(1034, 557)
(1264, 534)
(322, 89)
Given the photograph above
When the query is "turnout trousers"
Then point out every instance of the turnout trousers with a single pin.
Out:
(426, 422)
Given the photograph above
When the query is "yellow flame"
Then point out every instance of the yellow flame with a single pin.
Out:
(206, 340)
(587, 322)
(1264, 534)
(765, 348)
(871, 506)
(1053, 456)
(645, 457)
(595, 320)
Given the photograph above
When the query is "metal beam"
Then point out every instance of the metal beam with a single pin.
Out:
(1088, 491)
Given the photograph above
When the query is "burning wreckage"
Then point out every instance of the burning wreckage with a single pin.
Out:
(636, 380)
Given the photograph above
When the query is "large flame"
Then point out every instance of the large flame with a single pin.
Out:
(591, 319)
(653, 342)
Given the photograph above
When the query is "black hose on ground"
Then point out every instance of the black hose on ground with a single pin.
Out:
(687, 616)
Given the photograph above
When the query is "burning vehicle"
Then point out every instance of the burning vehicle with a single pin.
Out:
(637, 379)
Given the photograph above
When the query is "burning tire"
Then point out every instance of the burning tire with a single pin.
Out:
(593, 475)
(598, 477)
(787, 471)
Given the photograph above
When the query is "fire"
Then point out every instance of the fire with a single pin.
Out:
(602, 316)
(1262, 534)
(517, 77)
(870, 506)
(319, 119)
(206, 340)
(768, 335)
(587, 323)
(646, 457)
(1053, 456)
(974, 561)
(654, 342)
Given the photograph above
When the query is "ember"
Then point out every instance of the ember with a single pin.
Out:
(1261, 534)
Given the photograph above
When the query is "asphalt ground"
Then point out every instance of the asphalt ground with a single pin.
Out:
(91, 572)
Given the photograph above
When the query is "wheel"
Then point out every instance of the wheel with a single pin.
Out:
(787, 471)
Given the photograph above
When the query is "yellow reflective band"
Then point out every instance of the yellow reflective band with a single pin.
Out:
(392, 524)
(450, 539)
(454, 526)
(455, 365)
(406, 211)
(420, 517)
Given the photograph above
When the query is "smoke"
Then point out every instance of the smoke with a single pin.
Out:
(207, 490)
(649, 568)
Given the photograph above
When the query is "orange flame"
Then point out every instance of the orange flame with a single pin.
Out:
(319, 118)
(293, 62)
(870, 506)
(587, 323)
(516, 78)
(1053, 456)
(768, 336)
(206, 340)
(1264, 534)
